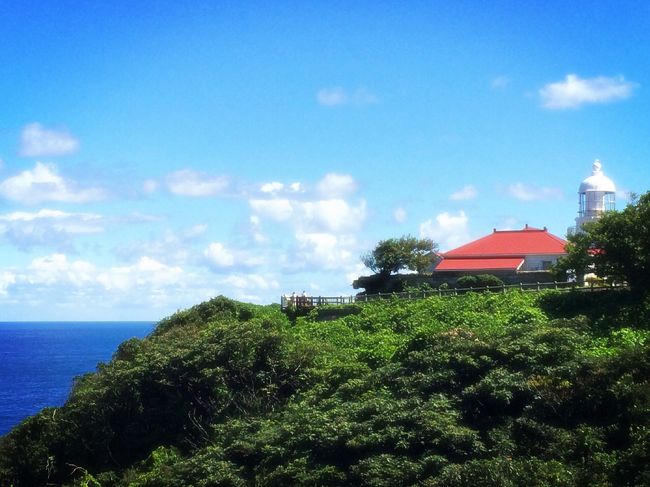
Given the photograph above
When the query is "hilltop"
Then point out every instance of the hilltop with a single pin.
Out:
(481, 389)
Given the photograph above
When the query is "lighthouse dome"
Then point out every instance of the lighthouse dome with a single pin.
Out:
(597, 181)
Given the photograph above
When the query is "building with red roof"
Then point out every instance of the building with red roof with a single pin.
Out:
(505, 253)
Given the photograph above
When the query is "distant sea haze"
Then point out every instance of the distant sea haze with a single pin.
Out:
(39, 360)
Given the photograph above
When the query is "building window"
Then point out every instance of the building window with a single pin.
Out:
(546, 265)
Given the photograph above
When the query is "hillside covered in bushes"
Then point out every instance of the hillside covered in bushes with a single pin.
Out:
(510, 389)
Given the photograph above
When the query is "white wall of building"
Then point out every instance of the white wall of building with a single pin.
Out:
(539, 262)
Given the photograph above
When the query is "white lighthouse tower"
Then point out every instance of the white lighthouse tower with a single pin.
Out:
(597, 194)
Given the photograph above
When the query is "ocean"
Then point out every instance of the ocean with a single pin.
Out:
(39, 360)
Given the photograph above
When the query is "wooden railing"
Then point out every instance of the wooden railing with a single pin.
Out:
(307, 302)
(314, 301)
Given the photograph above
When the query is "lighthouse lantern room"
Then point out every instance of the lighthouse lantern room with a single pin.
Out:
(597, 194)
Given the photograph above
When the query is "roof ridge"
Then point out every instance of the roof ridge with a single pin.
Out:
(529, 229)
(485, 256)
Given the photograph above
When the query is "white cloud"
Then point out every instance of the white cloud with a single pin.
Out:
(150, 186)
(328, 211)
(323, 228)
(272, 187)
(194, 231)
(331, 212)
(321, 250)
(256, 230)
(35, 141)
(528, 192)
(332, 96)
(250, 281)
(354, 271)
(332, 215)
(334, 185)
(468, 192)
(146, 274)
(42, 184)
(219, 257)
(6, 279)
(56, 268)
(499, 82)
(275, 188)
(65, 288)
(337, 96)
(247, 287)
(447, 230)
(573, 91)
(335, 215)
(276, 209)
(193, 183)
(48, 228)
(400, 215)
(170, 247)
(24, 216)
(137, 217)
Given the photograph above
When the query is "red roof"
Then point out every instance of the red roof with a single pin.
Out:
(511, 243)
(494, 264)
(502, 250)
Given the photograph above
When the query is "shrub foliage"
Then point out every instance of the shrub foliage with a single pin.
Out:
(482, 389)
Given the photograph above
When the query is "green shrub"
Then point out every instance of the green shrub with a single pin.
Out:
(480, 389)
(479, 281)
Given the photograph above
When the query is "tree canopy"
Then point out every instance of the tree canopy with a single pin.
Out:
(615, 247)
(395, 254)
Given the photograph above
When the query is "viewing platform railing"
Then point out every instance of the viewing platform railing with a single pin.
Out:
(307, 302)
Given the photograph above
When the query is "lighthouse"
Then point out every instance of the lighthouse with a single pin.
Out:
(596, 195)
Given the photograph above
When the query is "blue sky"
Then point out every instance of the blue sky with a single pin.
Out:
(155, 154)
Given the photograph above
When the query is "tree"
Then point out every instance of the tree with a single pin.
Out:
(579, 258)
(615, 247)
(395, 254)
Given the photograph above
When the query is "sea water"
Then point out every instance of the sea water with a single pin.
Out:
(39, 360)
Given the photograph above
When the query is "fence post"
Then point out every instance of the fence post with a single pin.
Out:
(538, 285)
(503, 288)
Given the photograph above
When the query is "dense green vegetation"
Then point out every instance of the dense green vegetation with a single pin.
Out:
(494, 389)
(616, 247)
